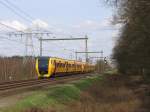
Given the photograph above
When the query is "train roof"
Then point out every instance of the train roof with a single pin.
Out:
(44, 57)
(58, 58)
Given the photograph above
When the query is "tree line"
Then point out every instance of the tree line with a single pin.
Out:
(132, 49)
(17, 68)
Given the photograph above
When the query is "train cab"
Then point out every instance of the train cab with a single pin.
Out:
(42, 66)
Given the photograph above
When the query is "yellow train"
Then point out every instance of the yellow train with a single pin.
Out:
(51, 66)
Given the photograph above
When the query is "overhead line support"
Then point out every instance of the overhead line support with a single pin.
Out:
(60, 39)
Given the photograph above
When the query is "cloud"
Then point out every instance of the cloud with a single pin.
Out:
(96, 25)
(14, 24)
(21, 26)
(87, 24)
(39, 24)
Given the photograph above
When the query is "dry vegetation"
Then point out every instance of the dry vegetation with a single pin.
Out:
(112, 95)
(15, 68)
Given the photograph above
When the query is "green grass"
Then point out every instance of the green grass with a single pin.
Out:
(85, 83)
(53, 96)
(64, 93)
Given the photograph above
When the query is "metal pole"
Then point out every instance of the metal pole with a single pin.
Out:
(86, 49)
(40, 46)
(59, 39)
(26, 46)
(102, 54)
(76, 56)
(102, 64)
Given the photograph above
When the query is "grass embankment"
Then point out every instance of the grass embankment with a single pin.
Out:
(108, 93)
(53, 98)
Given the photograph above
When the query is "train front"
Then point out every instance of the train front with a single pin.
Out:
(42, 67)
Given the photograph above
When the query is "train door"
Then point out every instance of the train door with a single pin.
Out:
(55, 67)
(66, 64)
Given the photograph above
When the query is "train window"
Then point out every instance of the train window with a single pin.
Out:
(59, 64)
(43, 63)
(54, 62)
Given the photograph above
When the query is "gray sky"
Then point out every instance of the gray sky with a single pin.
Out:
(63, 18)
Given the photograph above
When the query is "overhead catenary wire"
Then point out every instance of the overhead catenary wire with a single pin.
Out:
(63, 50)
(19, 9)
(7, 26)
(2, 37)
(3, 30)
(60, 46)
(22, 14)
(14, 11)
(10, 27)
(9, 5)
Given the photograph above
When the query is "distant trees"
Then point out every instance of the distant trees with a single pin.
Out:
(15, 68)
(100, 66)
(132, 50)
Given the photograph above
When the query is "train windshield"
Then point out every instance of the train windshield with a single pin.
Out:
(43, 63)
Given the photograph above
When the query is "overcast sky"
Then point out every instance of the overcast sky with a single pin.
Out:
(63, 17)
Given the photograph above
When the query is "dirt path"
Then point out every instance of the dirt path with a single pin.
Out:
(10, 100)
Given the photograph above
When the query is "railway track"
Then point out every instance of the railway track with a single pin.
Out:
(7, 87)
